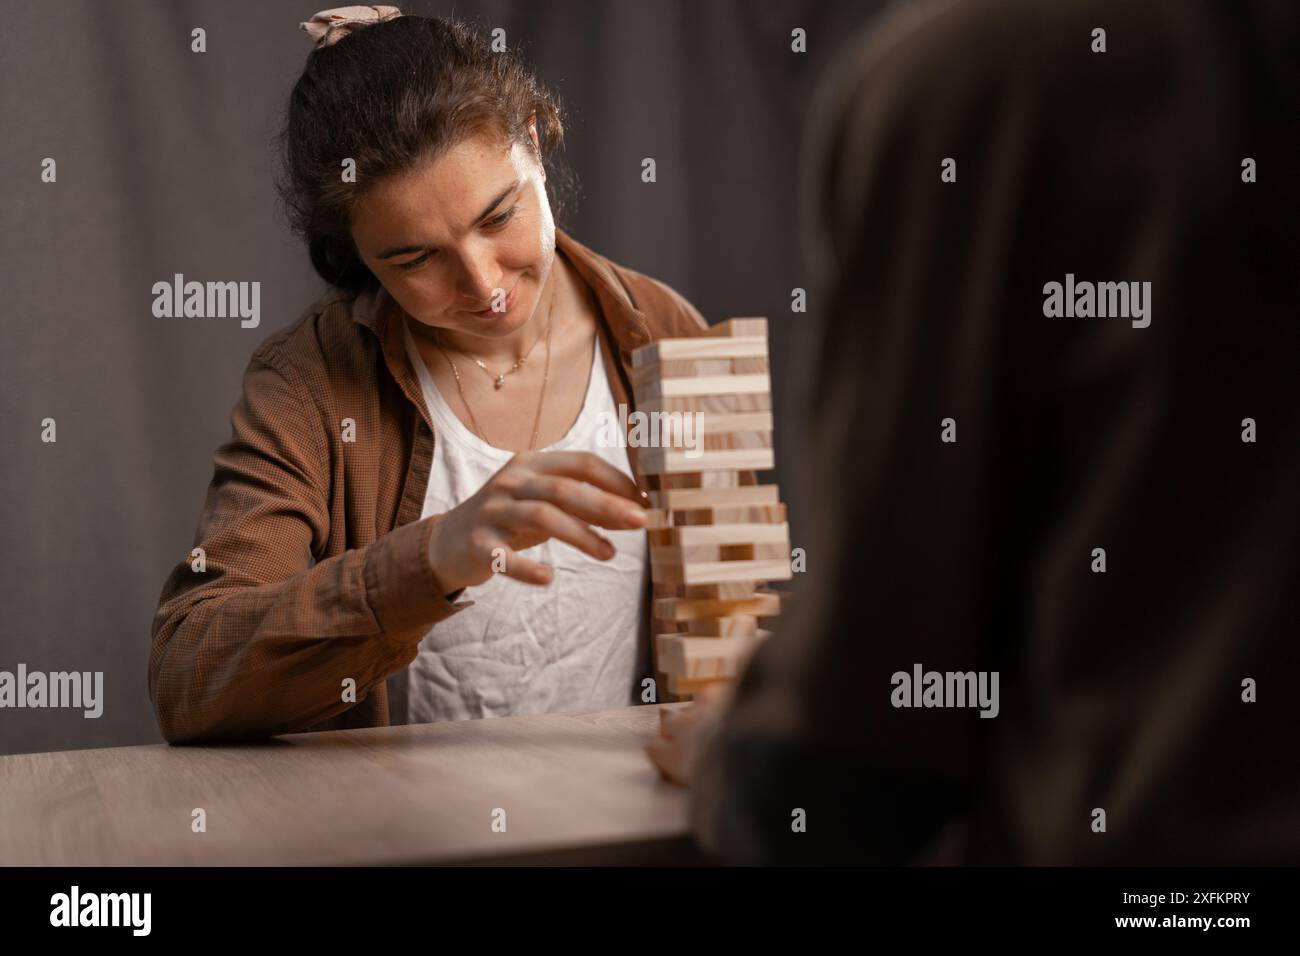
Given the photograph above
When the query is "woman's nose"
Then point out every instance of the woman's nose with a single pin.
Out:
(482, 278)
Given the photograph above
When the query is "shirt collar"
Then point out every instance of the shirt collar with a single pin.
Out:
(380, 313)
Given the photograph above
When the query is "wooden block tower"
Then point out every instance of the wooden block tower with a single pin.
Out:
(716, 536)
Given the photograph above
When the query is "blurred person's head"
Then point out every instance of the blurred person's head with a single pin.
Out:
(414, 157)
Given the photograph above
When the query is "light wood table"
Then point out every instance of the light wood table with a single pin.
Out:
(575, 789)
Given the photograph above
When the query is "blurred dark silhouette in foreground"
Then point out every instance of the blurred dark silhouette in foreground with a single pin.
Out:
(1165, 444)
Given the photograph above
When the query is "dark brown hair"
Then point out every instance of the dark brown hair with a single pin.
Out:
(392, 96)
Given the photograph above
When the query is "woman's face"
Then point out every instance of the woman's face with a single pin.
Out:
(467, 232)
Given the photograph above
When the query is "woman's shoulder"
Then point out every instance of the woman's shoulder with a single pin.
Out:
(668, 313)
(327, 334)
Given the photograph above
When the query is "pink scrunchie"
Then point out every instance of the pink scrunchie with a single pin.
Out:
(330, 26)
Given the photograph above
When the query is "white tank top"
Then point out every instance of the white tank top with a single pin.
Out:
(575, 645)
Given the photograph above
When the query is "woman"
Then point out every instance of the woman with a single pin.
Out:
(414, 471)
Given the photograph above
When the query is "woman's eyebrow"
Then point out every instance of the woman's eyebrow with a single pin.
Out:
(496, 201)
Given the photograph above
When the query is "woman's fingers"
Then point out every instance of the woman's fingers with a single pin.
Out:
(588, 467)
(542, 495)
(514, 565)
(584, 501)
(549, 521)
(490, 546)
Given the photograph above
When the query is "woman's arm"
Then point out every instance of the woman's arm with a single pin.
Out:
(259, 642)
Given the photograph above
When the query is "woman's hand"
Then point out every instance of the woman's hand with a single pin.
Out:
(534, 497)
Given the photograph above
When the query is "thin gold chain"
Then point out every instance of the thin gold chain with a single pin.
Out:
(499, 379)
(546, 374)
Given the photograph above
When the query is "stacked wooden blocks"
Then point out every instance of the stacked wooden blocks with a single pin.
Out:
(716, 536)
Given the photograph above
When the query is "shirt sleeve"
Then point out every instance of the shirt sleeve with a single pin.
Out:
(251, 638)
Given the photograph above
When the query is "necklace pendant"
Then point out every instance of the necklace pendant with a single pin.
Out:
(501, 380)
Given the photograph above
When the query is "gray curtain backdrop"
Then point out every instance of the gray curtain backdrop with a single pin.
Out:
(164, 165)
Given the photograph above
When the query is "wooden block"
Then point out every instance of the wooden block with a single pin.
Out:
(717, 572)
(703, 385)
(657, 518)
(682, 687)
(701, 347)
(689, 368)
(721, 534)
(693, 480)
(701, 436)
(666, 589)
(654, 461)
(743, 326)
(694, 430)
(658, 483)
(767, 604)
(683, 655)
(739, 552)
(680, 498)
(734, 625)
(719, 423)
(666, 712)
(752, 514)
(748, 366)
(671, 556)
(727, 441)
(718, 591)
(727, 404)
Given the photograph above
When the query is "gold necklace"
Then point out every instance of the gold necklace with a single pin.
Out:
(546, 373)
(500, 378)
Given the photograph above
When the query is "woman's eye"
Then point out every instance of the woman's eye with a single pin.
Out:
(494, 223)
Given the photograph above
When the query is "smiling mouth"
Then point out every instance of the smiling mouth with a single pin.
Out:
(510, 301)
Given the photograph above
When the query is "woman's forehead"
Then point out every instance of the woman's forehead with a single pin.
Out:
(449, 191)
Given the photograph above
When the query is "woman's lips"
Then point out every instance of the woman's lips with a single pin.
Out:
(510, 301)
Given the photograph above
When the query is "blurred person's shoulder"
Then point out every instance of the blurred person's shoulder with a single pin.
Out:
(955, 44)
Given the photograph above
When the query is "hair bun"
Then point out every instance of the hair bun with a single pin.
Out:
(329, 26)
